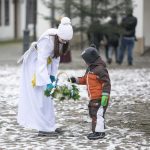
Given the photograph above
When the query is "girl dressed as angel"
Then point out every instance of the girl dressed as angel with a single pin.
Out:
(38, 71)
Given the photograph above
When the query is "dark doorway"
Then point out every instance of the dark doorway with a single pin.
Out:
(16, 18)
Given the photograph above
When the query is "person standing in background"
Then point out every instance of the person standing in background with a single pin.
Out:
(112, 36)
(95, 34)
(128, 38)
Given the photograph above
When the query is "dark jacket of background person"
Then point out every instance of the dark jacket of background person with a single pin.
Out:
(129, 23)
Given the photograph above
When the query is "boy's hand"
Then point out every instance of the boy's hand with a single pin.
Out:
(72, 79)
(104, 100)
(52, 78)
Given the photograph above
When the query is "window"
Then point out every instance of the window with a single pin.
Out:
(7, 12)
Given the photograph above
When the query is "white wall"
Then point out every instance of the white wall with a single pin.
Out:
(42, 24)
(138, 12)
(21, 17)
(7, 32)
(147, 22)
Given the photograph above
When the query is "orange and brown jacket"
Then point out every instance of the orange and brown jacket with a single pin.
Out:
(96, 79)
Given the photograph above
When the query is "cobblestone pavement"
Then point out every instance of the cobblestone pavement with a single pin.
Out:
(127, 117)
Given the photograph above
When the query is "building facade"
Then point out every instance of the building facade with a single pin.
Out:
(13, 21)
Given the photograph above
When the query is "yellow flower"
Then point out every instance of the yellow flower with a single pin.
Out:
(49, 60)
(34, 80)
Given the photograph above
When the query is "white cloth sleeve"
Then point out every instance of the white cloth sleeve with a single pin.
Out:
(44, 50)
(54, 66)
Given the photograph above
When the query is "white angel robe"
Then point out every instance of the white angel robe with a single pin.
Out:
(35, 110)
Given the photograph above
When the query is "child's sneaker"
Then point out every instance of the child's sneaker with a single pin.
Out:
(96, 135)
(90, 134)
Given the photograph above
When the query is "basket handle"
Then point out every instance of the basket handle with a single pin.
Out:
(60, 73)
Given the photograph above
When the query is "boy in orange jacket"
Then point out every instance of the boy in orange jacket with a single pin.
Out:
(98, 85)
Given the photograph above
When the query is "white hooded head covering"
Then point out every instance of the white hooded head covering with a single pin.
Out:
(65, 30)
